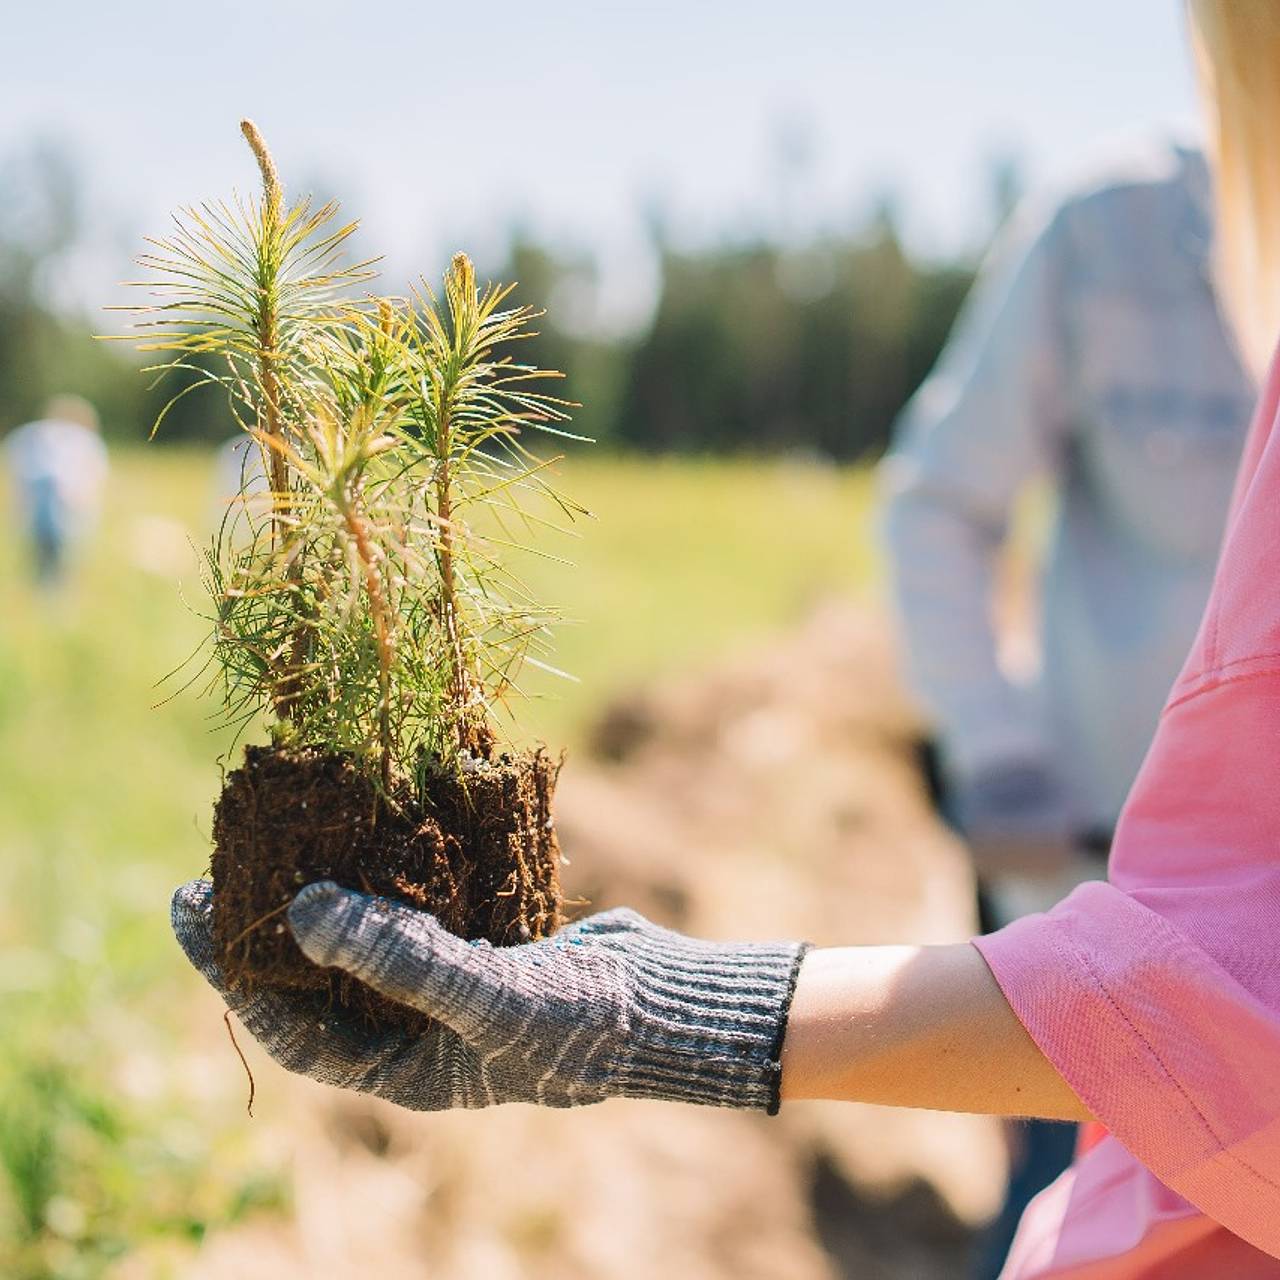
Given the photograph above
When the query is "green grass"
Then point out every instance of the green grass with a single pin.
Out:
(104, 1142)
(682, 561)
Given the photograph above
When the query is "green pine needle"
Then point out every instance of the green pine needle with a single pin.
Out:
(356, 601)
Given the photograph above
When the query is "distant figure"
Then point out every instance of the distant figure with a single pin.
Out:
(59, 467)
(241, 491)
(1092, 353)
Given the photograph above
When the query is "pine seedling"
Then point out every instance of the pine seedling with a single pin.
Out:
(362, 607)
(367, 607)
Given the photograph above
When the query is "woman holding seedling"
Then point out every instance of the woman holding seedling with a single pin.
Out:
(1149, 1003)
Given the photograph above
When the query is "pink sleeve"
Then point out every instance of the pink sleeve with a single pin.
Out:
(1157, 995)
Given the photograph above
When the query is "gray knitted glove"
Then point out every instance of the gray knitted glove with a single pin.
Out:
(612, 1006)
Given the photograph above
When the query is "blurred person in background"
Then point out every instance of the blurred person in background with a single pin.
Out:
(1092, 355)
(1148, 1002)
(241, 492)
(58, 466)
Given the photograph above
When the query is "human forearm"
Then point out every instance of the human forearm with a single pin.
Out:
(915, 1027)
(614, 1006)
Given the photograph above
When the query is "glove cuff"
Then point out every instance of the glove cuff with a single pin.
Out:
(708, 1021)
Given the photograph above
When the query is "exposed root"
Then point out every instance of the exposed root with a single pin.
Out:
(244, 1062)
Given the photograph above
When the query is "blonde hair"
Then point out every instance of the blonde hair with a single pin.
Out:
(1237, 47)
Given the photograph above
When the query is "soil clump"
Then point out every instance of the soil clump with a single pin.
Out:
(481, 854)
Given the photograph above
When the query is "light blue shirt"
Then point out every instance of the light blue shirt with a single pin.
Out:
(65, 457)
(1093, 351)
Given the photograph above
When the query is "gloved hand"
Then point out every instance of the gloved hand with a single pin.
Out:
(612, 1006)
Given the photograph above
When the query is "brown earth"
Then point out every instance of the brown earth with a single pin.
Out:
(482, 855)
(774, 795)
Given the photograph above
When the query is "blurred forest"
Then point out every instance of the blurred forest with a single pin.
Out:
(124, 1148)
(755, 346)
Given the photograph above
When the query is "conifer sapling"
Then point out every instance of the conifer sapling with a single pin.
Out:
(366, 608)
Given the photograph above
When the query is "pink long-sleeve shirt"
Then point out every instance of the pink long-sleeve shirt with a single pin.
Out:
(1157, 993)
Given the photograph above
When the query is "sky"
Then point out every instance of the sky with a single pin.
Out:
(443, 127)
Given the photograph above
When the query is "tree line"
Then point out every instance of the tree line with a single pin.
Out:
(752, 347)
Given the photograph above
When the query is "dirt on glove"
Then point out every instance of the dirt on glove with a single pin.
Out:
(481, 854)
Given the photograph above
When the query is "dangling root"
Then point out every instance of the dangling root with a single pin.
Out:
(244, 1062)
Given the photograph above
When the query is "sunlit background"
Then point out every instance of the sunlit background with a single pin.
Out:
(752, 226)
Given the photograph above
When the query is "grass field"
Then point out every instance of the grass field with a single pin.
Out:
(108, 1136)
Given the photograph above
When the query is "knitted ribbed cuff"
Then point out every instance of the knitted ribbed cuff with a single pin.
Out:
(708, 1022)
